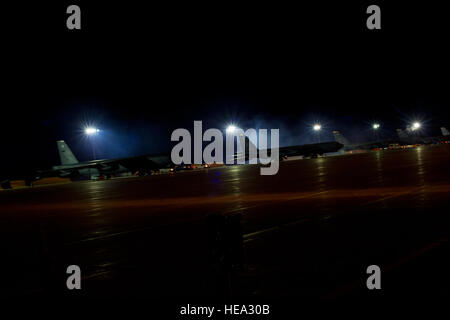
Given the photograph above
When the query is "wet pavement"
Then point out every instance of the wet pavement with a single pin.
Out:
(308, 232)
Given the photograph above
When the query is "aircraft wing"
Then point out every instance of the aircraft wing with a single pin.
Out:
(310, 149)
(132, 164)
(146, 162)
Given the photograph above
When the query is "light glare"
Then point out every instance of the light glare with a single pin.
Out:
(416, 125)
(90, 131)
(231, 128)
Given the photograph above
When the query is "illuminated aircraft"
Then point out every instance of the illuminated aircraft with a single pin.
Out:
(71, 168)
(411, 136)
(306, 150)
(348, 146)
(404, 138)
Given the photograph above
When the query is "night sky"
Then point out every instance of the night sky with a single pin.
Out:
(140, 72)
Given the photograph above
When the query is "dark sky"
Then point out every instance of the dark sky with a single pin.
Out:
(138, 72)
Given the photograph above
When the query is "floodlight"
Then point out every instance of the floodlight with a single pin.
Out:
(91, 131)
(415, 126)
(231, 128)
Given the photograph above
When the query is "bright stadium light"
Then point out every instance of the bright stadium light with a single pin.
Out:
(375, 127)
(317, 127)
(415, 126)
(231, 128)
(90, 131)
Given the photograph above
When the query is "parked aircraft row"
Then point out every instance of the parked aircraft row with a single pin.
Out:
(404, 138)
(71, 168)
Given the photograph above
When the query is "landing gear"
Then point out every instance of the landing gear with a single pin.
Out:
(141, 173)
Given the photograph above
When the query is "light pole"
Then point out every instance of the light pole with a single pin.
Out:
(317, 127)
(91, 133)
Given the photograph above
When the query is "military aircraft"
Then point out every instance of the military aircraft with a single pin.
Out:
(71, 168)
(410, 136)
(348, 146)
(404, 138)
(306, 150)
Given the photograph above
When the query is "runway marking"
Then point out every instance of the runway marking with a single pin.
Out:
(392, 266)
(414, 190)
(95, 275)
(327, 217)
(110, 235)
(106, 236)
(121, 233)
(417, 253)
(257, 205)
(248, 237)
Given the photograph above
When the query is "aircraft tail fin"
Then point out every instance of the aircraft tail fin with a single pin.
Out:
(338, 137)
(401, 134)
(445, 132)
(65, 154)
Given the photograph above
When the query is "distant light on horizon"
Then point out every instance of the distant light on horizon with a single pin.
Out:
(376, 126)
(317, 127)
(416, 125)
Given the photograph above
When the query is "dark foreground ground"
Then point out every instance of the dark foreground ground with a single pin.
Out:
(309, 232)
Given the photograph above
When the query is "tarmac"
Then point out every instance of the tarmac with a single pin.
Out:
(309, 232)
